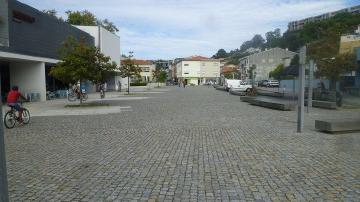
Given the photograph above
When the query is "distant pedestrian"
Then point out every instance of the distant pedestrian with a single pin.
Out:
(184, 83)
(119, 86)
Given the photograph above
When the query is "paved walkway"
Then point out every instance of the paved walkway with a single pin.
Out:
(192, 144)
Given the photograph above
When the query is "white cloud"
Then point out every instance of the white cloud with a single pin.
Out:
(177, 28)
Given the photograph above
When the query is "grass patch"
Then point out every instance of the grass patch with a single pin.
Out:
(91, 104)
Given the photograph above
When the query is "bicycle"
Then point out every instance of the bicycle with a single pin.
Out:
(73, 96)
(11, 117)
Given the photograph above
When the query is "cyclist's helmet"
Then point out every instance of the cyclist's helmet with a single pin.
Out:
(15, 88)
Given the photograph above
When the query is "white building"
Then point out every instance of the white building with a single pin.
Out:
(197, 70)
(147, 69)
(265, 62)
(109, 45)
(299, 24)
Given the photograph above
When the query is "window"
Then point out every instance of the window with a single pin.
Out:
(146, 69)
(186, 64)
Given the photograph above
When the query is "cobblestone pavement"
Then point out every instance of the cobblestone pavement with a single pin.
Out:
(193, 144)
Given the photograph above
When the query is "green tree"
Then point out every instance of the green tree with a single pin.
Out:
(108, 25)
(81, 62)
(159, 75)
(81, 18)
(88, 19)
(276, 73)
(129, 69)
(273, 38)
(330, 63)
(220, 54)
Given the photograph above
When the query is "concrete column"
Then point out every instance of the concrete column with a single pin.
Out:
(29, 76)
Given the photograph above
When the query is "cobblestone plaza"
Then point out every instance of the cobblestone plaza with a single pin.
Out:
(192, 144)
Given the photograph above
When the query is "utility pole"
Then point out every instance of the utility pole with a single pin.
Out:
(310, 89)
(4, 195)
(300, 120)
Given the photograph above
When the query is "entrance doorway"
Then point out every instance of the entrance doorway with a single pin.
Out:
(5, 79)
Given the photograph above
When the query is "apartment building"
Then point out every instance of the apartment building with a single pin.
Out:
(299, 24)
(197, 70)
(147, 69)
(265, 62)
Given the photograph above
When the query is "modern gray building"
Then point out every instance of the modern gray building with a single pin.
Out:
(29, 44)
(299, 24)
(265, 62)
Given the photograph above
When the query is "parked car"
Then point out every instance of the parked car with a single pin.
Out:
(231, 82)
(263, 83)
(242, 87)
(273, 83)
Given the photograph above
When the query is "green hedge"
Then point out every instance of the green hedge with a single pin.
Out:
(138, 84)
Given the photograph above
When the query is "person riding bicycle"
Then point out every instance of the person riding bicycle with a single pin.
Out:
(13, 101)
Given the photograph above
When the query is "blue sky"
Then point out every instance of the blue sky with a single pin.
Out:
(166, 29)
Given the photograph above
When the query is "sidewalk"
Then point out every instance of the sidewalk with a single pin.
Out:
(57, 107)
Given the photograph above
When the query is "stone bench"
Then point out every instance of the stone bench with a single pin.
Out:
(332, 126)
(322, 104)
(246, 98)
(273, 104)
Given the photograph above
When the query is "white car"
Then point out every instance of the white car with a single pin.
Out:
(230, 83)
(241, 87)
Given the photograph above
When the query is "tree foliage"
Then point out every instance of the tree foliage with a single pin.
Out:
(341, 23)
(220, 54)
(87, 18)
(80, 62)
(277, 72)
(81, 18)
(159, 75)
(129, 69)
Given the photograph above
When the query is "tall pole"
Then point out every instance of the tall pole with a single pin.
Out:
(4, 195)
(310, 89)
(300, 120)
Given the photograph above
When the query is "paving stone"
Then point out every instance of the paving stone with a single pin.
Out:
(192, 144)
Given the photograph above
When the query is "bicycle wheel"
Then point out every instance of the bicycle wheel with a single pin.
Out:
(10, 119)
(26, 116)
(84, 96)
(71, 97)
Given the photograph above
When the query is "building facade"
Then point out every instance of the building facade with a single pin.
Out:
(299, 24)
(351, 44)
(197, 70)
(109, 45)
(29, 44)
(264, 62)
(147, 69)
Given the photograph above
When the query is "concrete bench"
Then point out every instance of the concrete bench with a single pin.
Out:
(273, 104)
(322, 104)
(344, 125)
(246, 98)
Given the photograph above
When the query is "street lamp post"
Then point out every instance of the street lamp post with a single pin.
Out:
(4, 195)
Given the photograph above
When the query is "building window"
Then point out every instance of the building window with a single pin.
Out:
(146, 69)
(186, 64)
